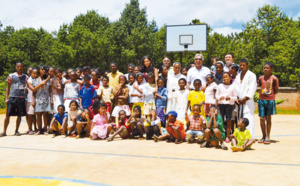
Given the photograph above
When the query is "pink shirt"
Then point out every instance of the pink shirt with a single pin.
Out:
(224, 91)
(210, 94)
(100, 119)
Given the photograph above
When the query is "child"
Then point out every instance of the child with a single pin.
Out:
(152, 125)
(72, 115)
(210, 93)
(123, 129)
(86, 70)
(181, 100)
(15, 97)
(131, 80)
(100, 128)
(71, 91)
(78, 71)
(161, 100)
(57, 89)
(196, 125)
(241, 138)
(175, 128)
(83, 124)
(213, 67)
(94, 109)
(136, 70)
(135, 122)
(184, 71)
(137, 97)
(43, 99)
(149, 91)
(266, 104)
(130, 68)
(164, 74)
(121, 93)
(226, 95)
(58, 121)
(214, 129)
(69, 73)
(87, 93)
(106, 93)
(31, 119)
(196, 96)
(95, 79)
(233, 71)
(106, 72)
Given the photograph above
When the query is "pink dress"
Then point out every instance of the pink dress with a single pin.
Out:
(100, 128)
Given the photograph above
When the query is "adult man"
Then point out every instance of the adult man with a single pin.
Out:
(246, 84)
(228, 61)
(197, 72)
(114, 75)
(167, 63)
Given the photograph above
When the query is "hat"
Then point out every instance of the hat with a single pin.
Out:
(173, 113)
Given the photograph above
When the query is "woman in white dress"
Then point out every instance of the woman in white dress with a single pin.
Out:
(172, 86)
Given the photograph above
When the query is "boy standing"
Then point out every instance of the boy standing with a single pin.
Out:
(15, 97)
(71, 91)
(266, 104)
(87, 93)
(196, 124)
(196, 96)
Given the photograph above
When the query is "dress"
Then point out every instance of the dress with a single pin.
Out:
(42, 97)
(100, 128)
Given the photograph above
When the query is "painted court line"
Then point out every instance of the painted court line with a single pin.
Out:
(56, 178)
(154, 157)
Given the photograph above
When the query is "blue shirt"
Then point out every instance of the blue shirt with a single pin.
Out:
(87, 94)
(59, 118)
(162, 102)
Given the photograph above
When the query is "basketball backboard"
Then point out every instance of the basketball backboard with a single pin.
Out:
(180, 38)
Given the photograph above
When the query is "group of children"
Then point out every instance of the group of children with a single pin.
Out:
(81, 103)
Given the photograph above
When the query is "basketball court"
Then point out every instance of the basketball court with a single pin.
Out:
(43, 160)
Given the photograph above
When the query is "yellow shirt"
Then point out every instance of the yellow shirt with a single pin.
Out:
(114, 78)
(241, 136)
(108, 92)
(195, 97)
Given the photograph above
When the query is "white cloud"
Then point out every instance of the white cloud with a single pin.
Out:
(226, 30)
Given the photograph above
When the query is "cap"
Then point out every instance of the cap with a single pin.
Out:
(173, 113)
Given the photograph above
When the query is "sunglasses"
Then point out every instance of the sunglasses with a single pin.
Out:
(198, 59)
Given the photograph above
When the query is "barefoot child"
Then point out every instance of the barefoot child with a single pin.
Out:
(161, 100)
(100, 128)
(15, 97)
(123, 129)
(181, 100)
(106, 93)
(83, 124)
(152, 125)
(149, 91)
(72, 115)
(214, 129)
(175, 128)
(135, 122)
(266, 104)
(58, 121)
(241, 138)
(196, 125)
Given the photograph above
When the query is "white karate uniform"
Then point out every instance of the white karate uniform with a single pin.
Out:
(172, 84)
(247, 89)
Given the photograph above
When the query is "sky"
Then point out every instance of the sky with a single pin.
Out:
(224, 16)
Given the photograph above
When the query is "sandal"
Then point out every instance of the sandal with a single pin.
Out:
(235, 149)
(267, 142)
(30, 132)
(2, 134)
(17, 134)
(205, 144)
(177, 141)
(110, 139)
(262, 140)
(155, 138)
(224, 147)
(73, 135)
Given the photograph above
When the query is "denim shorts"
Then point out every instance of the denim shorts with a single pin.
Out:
(266, 107)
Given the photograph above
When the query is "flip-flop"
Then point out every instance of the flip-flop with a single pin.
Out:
(205, 144)
(178, 141)
(110, 139)
(30, 132)
(262, 140)
(17, 134)
(267, 142)
(2, 134)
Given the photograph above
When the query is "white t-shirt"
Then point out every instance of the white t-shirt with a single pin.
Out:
(224, 91)
(195, 73)
(136, 99)
(210, 94)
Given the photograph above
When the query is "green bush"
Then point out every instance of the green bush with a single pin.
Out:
(2, 94)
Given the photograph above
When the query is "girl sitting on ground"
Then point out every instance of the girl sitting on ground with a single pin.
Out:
(123, 129)
(135, 122)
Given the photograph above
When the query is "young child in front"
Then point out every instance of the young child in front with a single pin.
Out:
(72, 115)
(196, 125)
(15, 98)
(226, 95)
(123, 129)
(241, 138)
(101, 128)
(106, 93)
(210, 93)
(137, 96)
(266, 104)
(149, 91)
(196, 96)
(181, 100)
(161, 100)
(152, 124)
(135, 122)
(214, 131)
(59, 121)
(175, 128)
(121, 94)
(87, 93)
(83, 124)
(71, 91)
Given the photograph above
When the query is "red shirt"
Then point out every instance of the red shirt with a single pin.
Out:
(268, 86)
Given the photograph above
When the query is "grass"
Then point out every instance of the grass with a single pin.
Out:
(3, 111)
